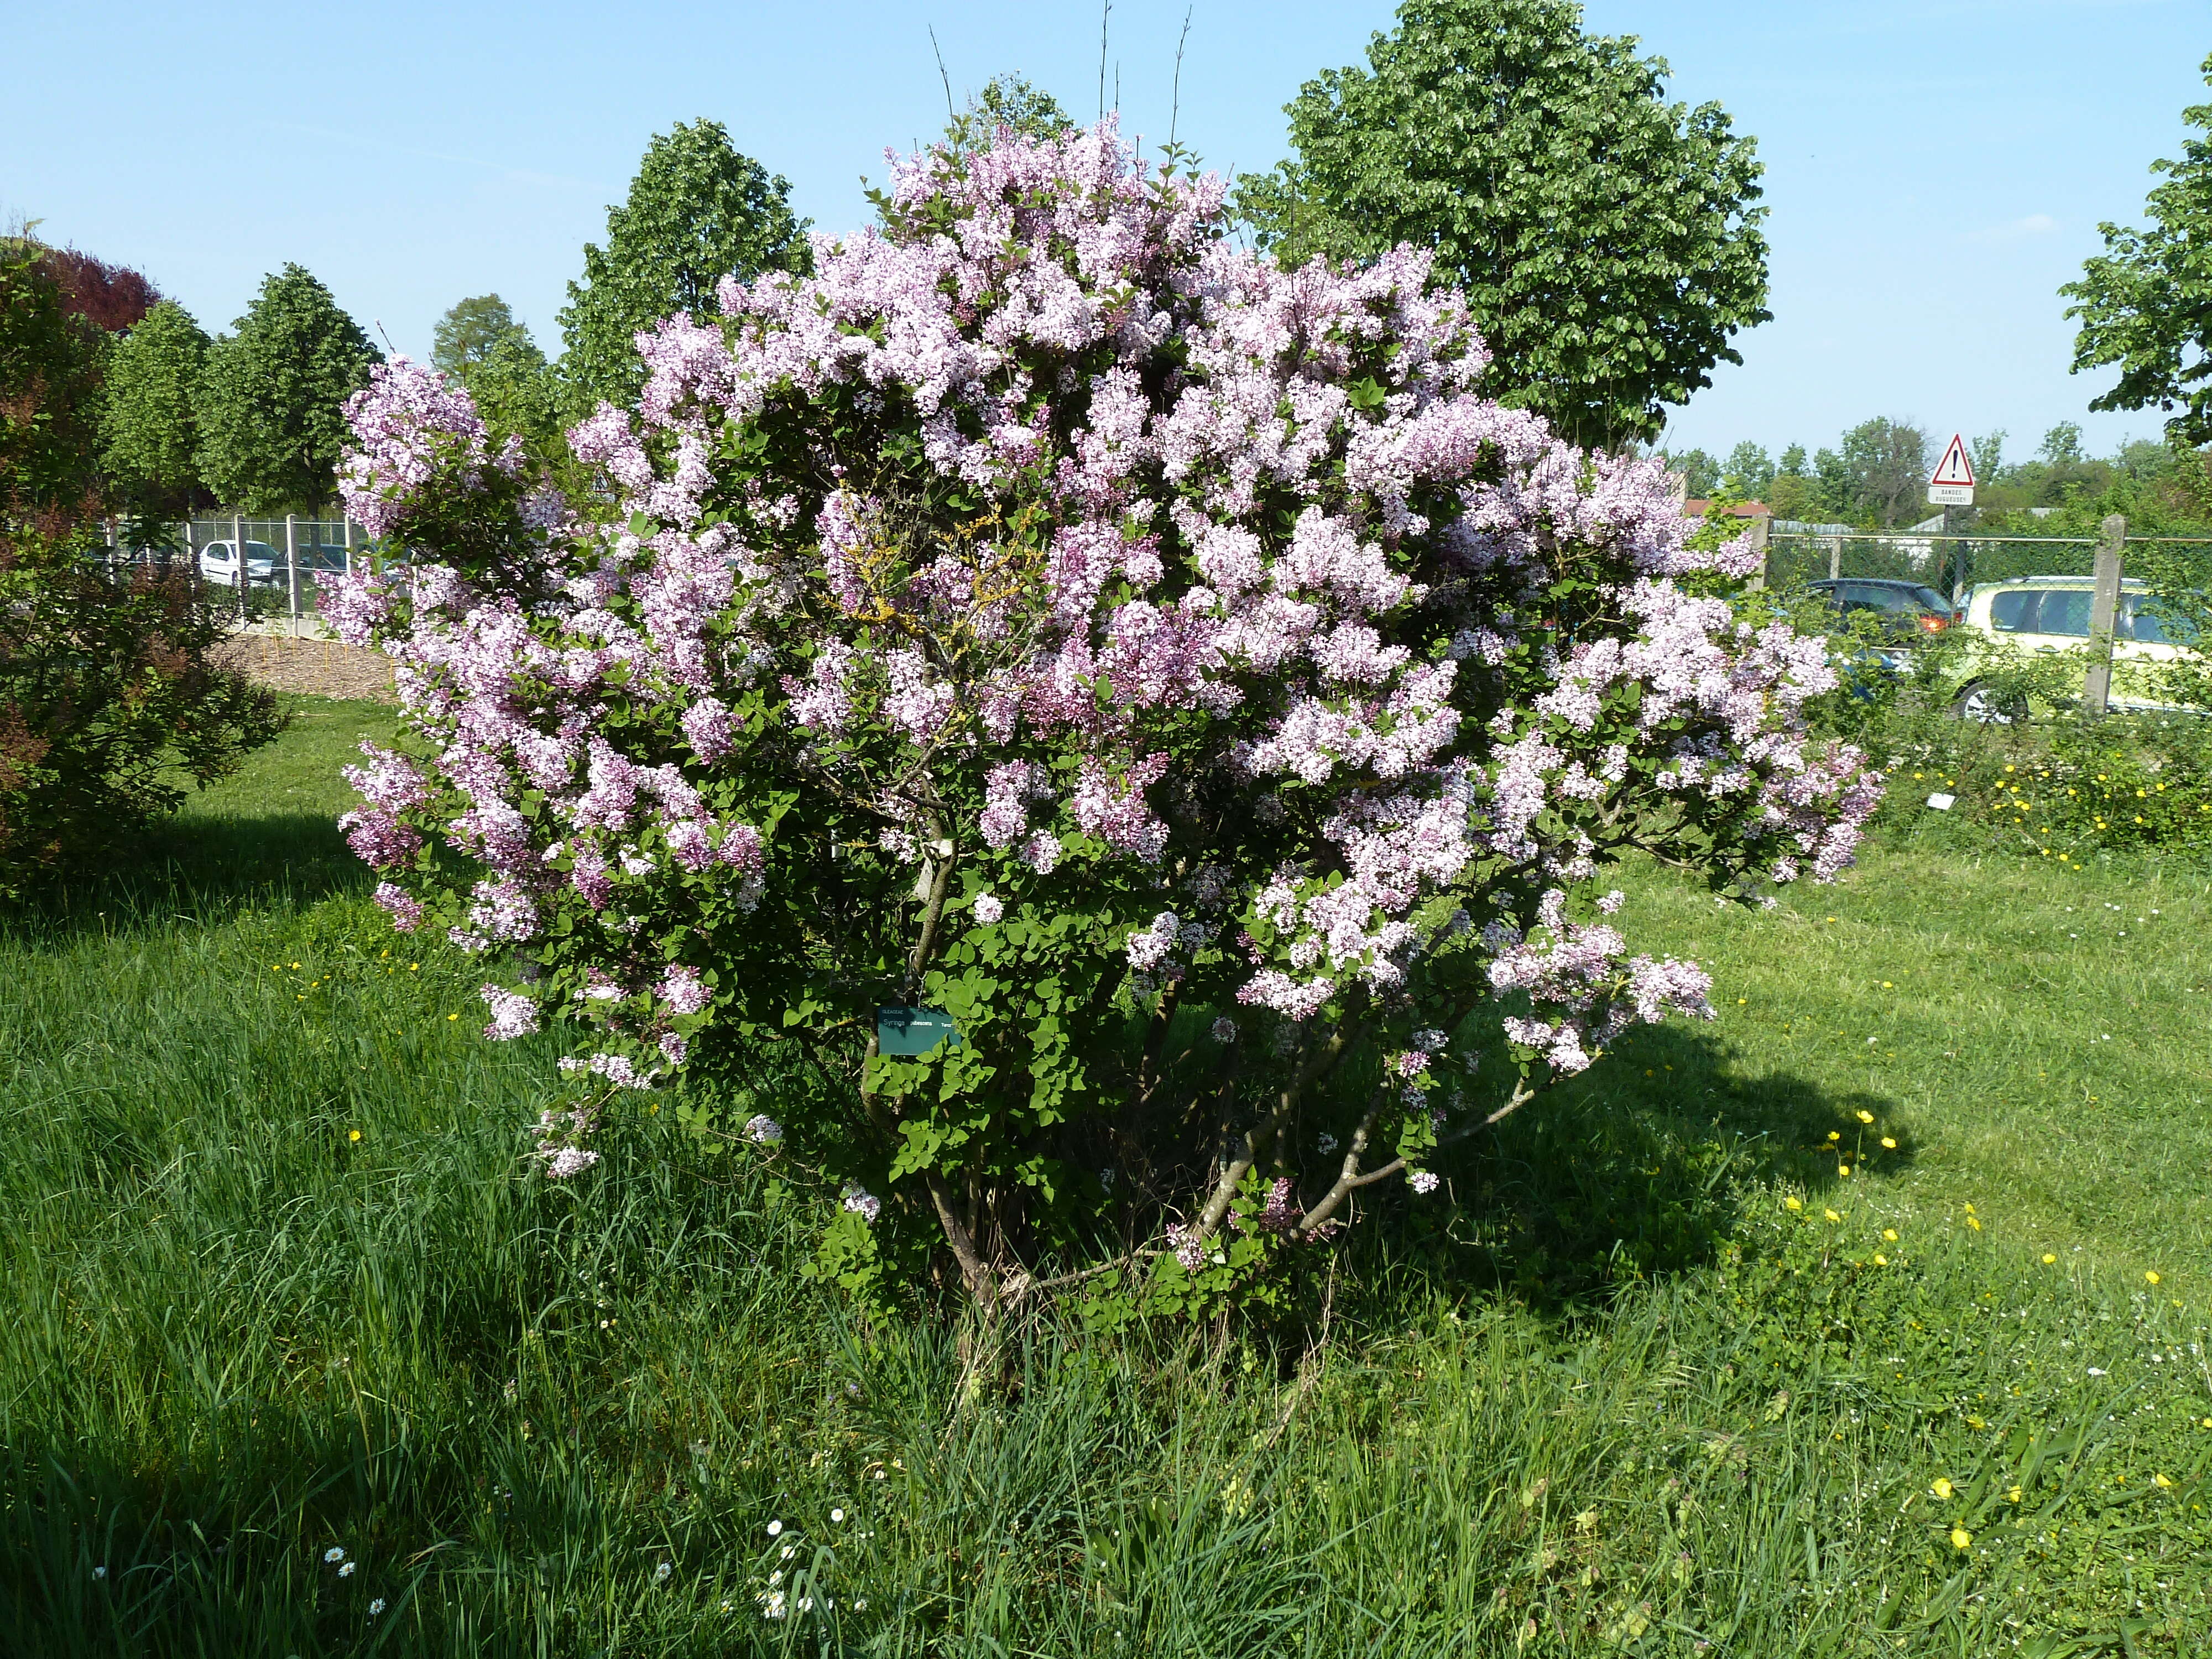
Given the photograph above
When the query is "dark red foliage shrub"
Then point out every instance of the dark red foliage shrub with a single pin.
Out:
(109, 296)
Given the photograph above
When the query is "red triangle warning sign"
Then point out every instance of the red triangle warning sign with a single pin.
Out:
(1954, 468)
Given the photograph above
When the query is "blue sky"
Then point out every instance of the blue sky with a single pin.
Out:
(1934, 170)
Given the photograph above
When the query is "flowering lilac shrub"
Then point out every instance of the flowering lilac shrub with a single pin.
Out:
(1169, 667)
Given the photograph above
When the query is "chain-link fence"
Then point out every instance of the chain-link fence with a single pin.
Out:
(1951, 564)
(274, 568)
(2114, 599)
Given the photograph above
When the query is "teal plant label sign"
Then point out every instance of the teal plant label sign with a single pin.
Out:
(913, 1030)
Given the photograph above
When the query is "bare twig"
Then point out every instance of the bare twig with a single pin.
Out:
(1352, 1178)
(951, 115)
(940, 882)
(1348, 1176)
(1105, 13)
(1523, 1094)
(982, 1283)
(1020, 1286)
(1174, 103)
(1254, 1145)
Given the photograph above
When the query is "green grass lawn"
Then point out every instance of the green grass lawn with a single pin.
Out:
(277, 1282)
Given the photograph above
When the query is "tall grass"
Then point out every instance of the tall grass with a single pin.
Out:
(1621, 1399)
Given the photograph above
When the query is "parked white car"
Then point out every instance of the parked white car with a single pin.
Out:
(2043, 613)
(219, 562)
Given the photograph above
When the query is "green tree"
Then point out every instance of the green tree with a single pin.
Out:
(1988, 452)
(1749, 468)
(50, 362)
(149, 433)
(472, 330)
(697, 211)
(2145, 303)
(1007, 101)
(1792, 460)
(1878, 473)
(1607, 241)
(480, 344)
(1793, 496)
(272, 396)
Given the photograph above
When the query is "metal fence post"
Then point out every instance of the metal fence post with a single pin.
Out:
(1835, 558)
(238, 569)
(292, 570)
(2104, 609)
(1758, 532)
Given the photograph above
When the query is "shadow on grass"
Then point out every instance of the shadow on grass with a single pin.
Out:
(1635, 1170)
(205, 868)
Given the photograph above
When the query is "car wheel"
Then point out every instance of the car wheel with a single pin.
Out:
(1984, 705)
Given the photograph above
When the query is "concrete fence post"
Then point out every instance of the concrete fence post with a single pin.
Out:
(292, 567)
(238, 569)
(2104, 611)
(1835, 558)
(1758, 534)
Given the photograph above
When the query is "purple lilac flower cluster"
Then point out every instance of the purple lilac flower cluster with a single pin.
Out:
(1252, 529)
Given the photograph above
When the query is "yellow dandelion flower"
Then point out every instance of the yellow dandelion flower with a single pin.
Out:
(1890, 1233)
(1890, 1141)
(1834, 1135)
(2048, 1258)
(1865, 1117)
(2151, 1277)
(1974, 1222)
(452, 1016)
(1793, 1203)
(353, 1134)
(1832, 1215)
(1881, 1261)
(1941, 1488)
(1842, 1169)
(1976, 1423)
(2160, 1480)
(1962, 1539)
(2012, 1496)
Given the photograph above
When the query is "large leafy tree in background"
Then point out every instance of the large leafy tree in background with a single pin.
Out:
(1879, 473)
(1607, 240)
(1007, 102)
(697, 211)
(473, 332)
(51, 358)
(2145, 304)
(108, 698)
(149, 429)
(481, 344)
(272, 396)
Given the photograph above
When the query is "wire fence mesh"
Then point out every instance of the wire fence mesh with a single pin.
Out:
(1949, 563)
(285, 563)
